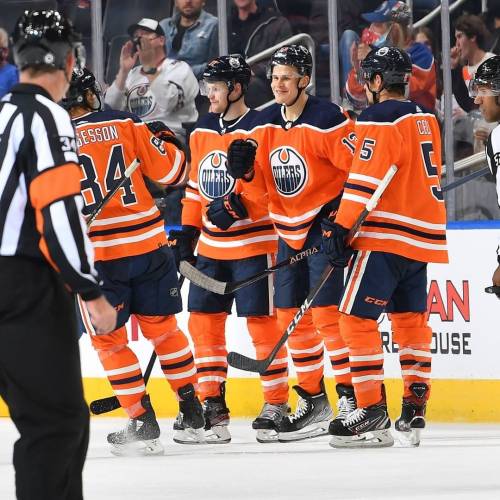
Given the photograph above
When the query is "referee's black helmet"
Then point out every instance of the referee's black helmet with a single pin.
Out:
(43, 38)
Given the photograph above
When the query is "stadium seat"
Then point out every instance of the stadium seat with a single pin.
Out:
(113, 59)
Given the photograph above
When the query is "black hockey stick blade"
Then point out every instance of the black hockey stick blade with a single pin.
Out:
(492, 289)
(227, 287)
(242, 362)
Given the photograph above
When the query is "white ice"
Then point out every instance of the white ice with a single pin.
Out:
(453, 462)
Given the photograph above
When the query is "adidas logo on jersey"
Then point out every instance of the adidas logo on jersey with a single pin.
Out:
(289, 170)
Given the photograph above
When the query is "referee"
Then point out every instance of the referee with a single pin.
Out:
(44, 255)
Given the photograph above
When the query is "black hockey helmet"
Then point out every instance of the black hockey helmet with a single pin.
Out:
(487, 75)
(44, 38)
(391, 63)
(82, 80)
(230, 69)
(297, 56)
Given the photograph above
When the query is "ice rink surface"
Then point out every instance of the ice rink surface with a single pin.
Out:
(453, 462)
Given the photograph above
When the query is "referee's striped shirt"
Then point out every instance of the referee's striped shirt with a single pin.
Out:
(40, 200)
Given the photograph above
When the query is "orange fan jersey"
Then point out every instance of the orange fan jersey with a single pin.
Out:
(301, 167)
(209, 179)
(410, 219)
(108, 142)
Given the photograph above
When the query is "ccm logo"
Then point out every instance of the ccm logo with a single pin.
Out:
(377, 302)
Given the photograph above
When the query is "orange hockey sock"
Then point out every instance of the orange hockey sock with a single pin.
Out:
(209, 338)
(265, 335)
(365, 356)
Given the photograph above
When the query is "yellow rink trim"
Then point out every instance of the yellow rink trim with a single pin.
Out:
(451, 400)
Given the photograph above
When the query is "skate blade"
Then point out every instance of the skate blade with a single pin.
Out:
(372, 439)
(410, 439)
(190, 436)
(266, 436)
(149, 447)
(309, 431)
(218, 434)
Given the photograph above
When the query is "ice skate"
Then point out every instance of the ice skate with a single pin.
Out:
(412, 420)
(140, 436)
(217, 418)
(311, 418)
(189, 423)
(363, 428)
(346, 403)
(267, 421)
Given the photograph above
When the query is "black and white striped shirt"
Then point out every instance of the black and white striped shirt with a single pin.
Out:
(493, 157)
(40, 201)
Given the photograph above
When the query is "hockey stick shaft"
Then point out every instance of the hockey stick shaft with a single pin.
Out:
(467, 178)
(126, 176)
(226, 287)
(242, 362)
(105, 405)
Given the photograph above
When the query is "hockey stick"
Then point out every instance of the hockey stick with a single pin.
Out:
(493, 289)
(105, 405)
(242, 362)
(225, 287)
(467, 178)
(126, 176)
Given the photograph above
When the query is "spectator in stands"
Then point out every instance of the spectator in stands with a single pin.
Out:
(9, 75)
(394, 18)
(492, 18)
(469, 52)
(191, 35)
(159, 88)
(252, 29)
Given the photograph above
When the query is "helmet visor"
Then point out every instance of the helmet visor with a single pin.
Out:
(215, 87)
(479, 87)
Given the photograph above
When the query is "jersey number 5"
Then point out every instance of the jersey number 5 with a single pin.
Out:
(92, 190)
(427, 151)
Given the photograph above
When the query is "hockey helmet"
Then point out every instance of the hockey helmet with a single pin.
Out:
(82, 80)
(391, 63)
(297, 56)
(44, 38)
(230, 69)
(486, 81)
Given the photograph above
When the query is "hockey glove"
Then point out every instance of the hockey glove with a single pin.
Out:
(183, 242)
(240, 158)
(334, 243)
(162, 132)
(223, 212)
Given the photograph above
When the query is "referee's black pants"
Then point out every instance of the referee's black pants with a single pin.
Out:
(40, 380)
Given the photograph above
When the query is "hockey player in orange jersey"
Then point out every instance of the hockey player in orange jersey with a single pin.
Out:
(388, 269)
(305, 148)
(137, 266)
(235, 242)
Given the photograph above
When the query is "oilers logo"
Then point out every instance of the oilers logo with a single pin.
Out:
(289, 170)
(140, 100)
(213, 179)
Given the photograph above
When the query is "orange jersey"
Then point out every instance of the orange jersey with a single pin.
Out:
(410, 219)
(302, 167)
(209, 179)
(108, 142)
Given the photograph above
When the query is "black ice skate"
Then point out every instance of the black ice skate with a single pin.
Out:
(363, 428)
(189, 424)
(266, 424)
(346, 403)
(217, 418)
(140, 436)
(311, 418)
(412, 420)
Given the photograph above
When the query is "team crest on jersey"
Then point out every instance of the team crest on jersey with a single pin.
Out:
(214, 180)
(140, 100)
(289, 170)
